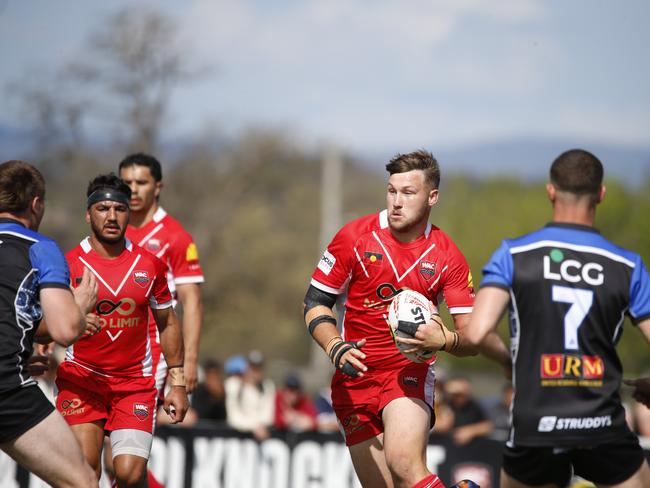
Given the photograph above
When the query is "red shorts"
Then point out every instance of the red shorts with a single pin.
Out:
(125, 403)
(358, 402)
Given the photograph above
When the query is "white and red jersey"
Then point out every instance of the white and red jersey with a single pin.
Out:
(128, 287)
(165, 238)
(365, 261)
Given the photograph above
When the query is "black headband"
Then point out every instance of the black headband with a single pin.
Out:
(104, 194)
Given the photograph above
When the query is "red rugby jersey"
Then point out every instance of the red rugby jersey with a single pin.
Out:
(128, 286)
(365, 261)
(165, 238)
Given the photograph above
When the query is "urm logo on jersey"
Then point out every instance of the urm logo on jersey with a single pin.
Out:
(571, 370)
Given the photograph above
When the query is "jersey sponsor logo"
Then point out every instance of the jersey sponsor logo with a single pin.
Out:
(141, 410)
(571, 370)
(71, 407)
(352, 423)
(124, 307)
(427, 269)
(153, 245)
(385, 292)
(141, 278)
(327, 262)
(372, 258)
(559, 269)
(191, 253)
(550, 423)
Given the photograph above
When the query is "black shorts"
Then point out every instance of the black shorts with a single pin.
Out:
(20, 410)
(606, 464)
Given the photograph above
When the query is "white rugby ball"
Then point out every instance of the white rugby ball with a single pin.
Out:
(408, 310)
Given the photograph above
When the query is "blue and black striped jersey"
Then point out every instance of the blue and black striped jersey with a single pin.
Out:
(570, 290)
(29, 262)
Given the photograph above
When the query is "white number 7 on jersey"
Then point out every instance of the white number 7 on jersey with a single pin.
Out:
(581, 301)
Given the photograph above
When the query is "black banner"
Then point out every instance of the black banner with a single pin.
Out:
(222, 458)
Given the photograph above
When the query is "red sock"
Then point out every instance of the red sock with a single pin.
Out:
(431, 481)
(153, 482)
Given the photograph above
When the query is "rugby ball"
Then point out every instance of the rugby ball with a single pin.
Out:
(406, 312)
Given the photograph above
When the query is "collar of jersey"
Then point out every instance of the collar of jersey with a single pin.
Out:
(567, 225)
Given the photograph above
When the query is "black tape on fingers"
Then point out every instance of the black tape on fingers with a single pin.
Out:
(409, 328)
(349, 370)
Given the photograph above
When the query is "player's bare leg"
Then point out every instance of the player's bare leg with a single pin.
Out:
(51, 451)
(369, 463)
(406, 432)
(91, 437)
(130, 471)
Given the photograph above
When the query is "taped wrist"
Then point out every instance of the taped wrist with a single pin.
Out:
(315, 322)
(337, 352)
(176, 376)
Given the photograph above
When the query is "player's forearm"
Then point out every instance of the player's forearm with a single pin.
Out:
(494, 348)
(190, 297)
(323, 331)
(192, 321)
(171, 340)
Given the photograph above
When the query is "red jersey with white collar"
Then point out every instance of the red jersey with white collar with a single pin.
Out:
(128, 286)
(165, 238)
(365, 261)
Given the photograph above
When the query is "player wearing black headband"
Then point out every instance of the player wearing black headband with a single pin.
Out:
(105, 383)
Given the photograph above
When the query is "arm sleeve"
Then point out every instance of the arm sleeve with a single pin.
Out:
(639, 293)
(184, 259)
(458, 287)
(335, 266)
(52, 267)
(498, 270)
(160, 295)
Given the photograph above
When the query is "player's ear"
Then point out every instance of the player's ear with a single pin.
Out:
(551, 192)
(601, 193)
(159, 185)
(433, 197)
(88, 216)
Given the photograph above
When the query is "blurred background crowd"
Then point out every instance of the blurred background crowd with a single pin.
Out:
(239, 393)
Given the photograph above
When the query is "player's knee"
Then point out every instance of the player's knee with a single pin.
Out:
(400, 465)
(130, 474)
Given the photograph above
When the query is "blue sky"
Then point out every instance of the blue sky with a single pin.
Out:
(371, 75)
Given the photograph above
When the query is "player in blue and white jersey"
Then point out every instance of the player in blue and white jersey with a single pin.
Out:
(35, 288)
(568, 290)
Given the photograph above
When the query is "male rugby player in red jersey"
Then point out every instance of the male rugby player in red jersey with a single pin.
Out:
(383, 401)
(105, 383)
(159, 233)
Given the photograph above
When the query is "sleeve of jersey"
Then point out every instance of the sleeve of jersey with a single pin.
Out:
(335, 266)
(52, 267)
(160, 295)
(458, 287)
(640, 293)
(184, 260)
(498, 270)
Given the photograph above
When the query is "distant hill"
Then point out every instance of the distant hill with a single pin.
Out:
(523, 158)
(529, 158)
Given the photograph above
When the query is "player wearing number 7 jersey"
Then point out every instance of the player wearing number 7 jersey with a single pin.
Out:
(569, 290)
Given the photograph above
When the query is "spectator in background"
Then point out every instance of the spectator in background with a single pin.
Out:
(326, 420)
(250, 399)
(469, 419)
(209, 398)
(499, 412)
(294, 410)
